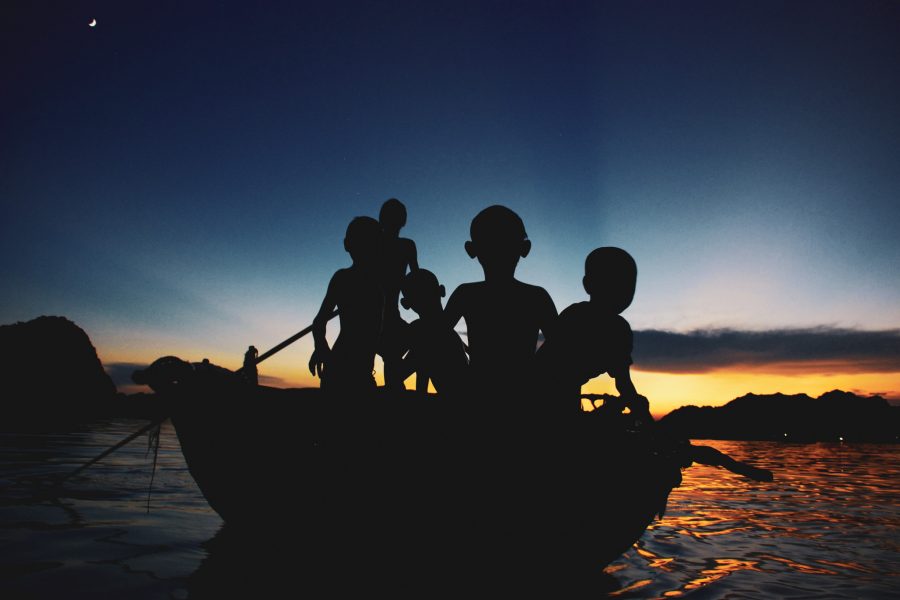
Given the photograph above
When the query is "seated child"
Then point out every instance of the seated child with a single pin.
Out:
(592, 338)
(503, 315)
(356, 294)
(436, 351)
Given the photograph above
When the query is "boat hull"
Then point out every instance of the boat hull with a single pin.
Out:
(394, 483)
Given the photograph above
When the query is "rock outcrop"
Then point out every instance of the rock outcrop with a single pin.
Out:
(49, 365)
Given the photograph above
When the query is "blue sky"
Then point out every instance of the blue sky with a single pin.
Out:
(177, 179)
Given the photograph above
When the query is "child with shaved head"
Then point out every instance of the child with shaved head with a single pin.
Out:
(503, 315)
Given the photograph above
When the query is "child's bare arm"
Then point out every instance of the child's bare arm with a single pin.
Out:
(408, 363)
(548, 315)
(624, 385)
(320, 355)
(638, 404)
(422, 381)
(413, 257)
(453, 311)
(407, 366)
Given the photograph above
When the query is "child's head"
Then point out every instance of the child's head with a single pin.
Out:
(363, 239)
(392, 216)
(421, 291)
(610, 276)
(497, 237)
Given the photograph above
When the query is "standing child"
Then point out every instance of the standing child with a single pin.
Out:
(357, 295)
(436, 351)
(503, 315)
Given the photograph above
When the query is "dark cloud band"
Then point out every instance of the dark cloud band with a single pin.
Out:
(823, 348)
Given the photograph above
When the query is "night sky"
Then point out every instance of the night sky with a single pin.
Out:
(177, 179)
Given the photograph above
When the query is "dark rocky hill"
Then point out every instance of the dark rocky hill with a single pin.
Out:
(832, 416)
(49, 365)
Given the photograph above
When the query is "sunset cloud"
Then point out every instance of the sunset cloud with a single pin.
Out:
(821, 349)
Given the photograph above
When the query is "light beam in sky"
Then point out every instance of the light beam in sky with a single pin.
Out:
(755, 189)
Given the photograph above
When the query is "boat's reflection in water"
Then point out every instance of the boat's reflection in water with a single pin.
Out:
(275, 563)
(280, 563)
(270, 563)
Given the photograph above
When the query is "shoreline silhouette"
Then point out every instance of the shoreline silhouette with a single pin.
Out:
(828, 417)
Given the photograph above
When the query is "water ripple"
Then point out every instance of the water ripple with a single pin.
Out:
(828, 526)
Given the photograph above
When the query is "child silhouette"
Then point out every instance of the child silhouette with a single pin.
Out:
(436, 351)
(397, 255)
(357, 295)
(503, 315)
(592, 337)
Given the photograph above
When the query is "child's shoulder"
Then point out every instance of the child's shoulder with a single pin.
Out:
(343, 274)
(585, 314)
(578, 310)
(532, 292)
(350, 277)
(531, 288)
(467, 289)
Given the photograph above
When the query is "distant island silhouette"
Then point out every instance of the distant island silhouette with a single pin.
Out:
(50, 369)
(834, 416)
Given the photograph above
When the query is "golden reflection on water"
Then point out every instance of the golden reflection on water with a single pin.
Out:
(654, 561)
(798, 566)
(830, 521)
(632, 587)
(847, 565)
(723, 567)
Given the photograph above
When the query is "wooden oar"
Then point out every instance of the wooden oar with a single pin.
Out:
(159, 420)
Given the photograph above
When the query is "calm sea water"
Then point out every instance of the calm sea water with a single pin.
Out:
(827, 527)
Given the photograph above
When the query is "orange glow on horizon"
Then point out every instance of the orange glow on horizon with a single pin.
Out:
(668, 391)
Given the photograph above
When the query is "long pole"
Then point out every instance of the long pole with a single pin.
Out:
(159, 420)
(286, 342)
(115, 447)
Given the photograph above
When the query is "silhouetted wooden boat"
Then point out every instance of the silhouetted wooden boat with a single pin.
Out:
(392, 480)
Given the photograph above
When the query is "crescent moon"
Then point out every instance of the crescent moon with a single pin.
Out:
(93, 23)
